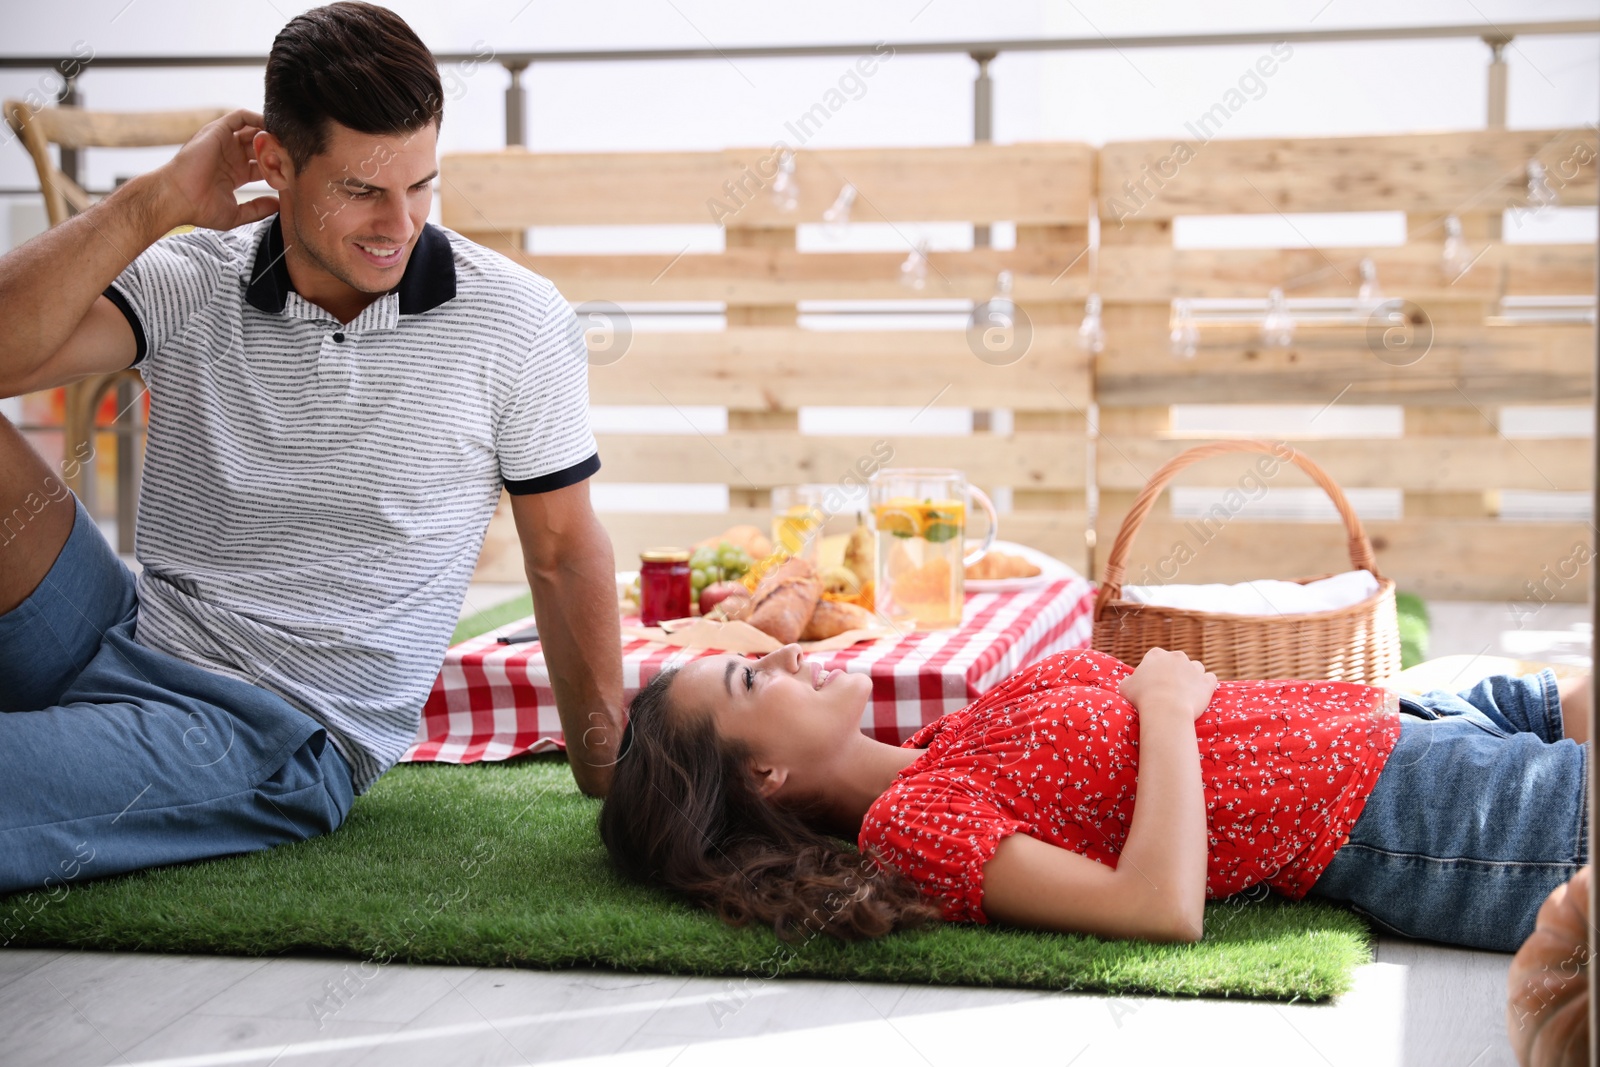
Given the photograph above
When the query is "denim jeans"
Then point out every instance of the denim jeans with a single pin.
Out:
(1479, 812)
(115, 757)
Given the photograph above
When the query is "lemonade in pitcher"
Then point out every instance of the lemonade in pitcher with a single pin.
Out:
(920, 544)
(920, 519)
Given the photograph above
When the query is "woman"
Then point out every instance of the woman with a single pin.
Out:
(1083, 795)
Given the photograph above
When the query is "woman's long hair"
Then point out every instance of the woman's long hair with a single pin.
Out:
(683, 814)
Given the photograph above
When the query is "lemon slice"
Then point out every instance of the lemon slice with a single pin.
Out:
(897, 521)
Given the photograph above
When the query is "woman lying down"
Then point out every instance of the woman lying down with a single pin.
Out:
(1084, 795)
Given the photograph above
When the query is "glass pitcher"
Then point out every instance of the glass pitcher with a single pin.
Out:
(920, 519)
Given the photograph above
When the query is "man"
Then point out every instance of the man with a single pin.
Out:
(338, 392)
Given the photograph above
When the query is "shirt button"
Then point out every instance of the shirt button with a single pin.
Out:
(338, 338)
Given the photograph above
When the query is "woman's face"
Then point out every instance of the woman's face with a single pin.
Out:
(795, 716)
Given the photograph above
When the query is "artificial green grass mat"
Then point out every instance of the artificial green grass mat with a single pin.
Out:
(489, 618)
(499, 864)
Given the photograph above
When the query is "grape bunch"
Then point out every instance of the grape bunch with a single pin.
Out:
(724, 563)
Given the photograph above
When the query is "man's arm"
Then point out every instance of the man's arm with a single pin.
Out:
(573, 577)
(58, 327)
(50, 293)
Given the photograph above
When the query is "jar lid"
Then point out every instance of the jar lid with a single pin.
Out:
(664, 555)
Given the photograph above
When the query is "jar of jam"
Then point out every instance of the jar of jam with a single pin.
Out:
(664, 586)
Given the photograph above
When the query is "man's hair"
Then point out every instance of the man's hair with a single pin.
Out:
(356, 64)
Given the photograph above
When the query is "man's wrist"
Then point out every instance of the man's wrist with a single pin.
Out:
(154, 207)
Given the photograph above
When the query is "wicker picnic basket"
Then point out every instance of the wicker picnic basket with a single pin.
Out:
(1357, 643)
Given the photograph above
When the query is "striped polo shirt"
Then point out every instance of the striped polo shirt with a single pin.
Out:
(315, 493)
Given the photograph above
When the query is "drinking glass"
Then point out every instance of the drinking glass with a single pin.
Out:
(798, 519)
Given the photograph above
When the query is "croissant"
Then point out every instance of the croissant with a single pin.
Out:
(783, 602)
(1001, 565)
(834, 617)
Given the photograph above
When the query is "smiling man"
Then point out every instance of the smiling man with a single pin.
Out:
(339, 391)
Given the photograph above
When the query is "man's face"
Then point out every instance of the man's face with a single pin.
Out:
(354, 210)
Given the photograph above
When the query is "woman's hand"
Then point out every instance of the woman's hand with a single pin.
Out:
(1169, 680)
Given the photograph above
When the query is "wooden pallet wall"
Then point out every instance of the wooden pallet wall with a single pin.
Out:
(1451, 464)
(764, 367)
(1452, 461)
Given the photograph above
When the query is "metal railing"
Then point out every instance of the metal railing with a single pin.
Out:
(1495, 35)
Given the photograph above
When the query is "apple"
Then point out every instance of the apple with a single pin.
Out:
(717, 592)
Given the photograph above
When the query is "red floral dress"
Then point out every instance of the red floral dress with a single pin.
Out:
(1054, 752)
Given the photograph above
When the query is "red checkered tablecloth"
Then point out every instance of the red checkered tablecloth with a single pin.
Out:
(494, 701)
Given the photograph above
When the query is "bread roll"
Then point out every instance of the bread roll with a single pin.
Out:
(784, 601)
(834, 617)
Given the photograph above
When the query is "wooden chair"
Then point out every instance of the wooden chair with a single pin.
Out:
(74, 128)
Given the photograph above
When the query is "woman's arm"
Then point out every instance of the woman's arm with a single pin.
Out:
(1158, 889)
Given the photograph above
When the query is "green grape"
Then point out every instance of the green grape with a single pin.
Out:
(727, 556)
(698, 579)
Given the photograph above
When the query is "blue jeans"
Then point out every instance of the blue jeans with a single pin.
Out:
(115, 757)
(1479, 812)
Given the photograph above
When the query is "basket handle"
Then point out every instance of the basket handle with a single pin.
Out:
(1361, 555)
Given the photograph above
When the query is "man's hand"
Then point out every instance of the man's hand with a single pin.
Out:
(1169, 680)
(196, 187)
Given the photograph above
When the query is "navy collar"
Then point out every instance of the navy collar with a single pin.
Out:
(429, 279)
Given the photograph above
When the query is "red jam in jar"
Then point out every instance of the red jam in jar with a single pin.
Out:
(664, 586)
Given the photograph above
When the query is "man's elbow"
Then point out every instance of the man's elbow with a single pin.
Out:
(553, 559)
(545, 557)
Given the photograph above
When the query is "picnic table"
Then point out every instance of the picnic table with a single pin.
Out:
(493, 701)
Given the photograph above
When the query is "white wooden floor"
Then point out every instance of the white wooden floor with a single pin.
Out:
(1416, 1004)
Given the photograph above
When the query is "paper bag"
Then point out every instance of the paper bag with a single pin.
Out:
(739, 636)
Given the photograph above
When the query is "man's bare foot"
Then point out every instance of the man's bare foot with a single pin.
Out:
(1576, 705)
